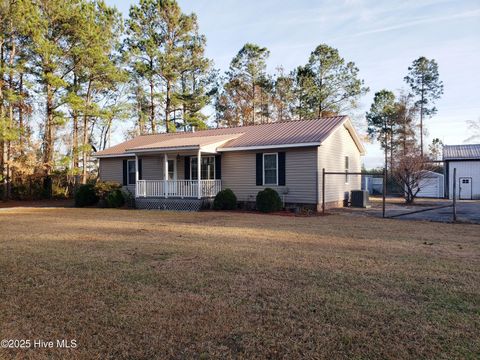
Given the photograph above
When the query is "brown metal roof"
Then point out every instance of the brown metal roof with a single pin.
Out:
(280, 133)
(288, 132)
(179, 142)
(461, 152)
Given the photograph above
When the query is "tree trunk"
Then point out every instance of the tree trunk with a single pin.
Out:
(184, 105)
(404, 140)
(75, 138)
(21, 126)
(167, 108)
(48, 139)
(386, 163)
(85, 148)
(9, 129)
(3, 148)
(152, 107)
(106, 135)
(421, 117)
(253, 103)
(391, 150)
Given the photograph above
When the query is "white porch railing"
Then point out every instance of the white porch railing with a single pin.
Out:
(177, 188)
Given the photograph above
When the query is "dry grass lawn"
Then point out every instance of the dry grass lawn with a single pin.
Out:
(145, 285)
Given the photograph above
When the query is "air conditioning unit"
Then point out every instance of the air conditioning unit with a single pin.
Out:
(359, 198)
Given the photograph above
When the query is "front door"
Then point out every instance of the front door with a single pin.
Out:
(465, 188)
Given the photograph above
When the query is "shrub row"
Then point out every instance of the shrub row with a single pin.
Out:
(106, 194)
(110, 195)
(267, 200)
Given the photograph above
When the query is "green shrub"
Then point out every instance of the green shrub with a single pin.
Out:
(115, 199)
(86, 196)
(103, 188)
(268, 200)
(225, 200)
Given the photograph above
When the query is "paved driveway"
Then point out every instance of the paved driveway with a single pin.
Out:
(468, 211)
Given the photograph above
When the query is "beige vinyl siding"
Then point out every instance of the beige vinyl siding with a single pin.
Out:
(331, 156)
(111, 169)
(239, 174)
(152, 167)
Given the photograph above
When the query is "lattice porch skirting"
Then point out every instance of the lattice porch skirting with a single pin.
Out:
(173, 204)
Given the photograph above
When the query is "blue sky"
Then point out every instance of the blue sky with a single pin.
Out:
(381, 37)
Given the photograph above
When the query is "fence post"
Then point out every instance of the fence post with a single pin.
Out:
(455, 194)
(384, 190)
(323, 191)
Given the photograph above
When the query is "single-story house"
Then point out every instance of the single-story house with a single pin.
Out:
(466, 159)
(162, 170)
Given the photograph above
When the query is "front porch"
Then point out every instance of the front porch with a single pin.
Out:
(181, 189)
(175, 174)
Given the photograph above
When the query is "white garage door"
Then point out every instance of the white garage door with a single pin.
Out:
(429, 187)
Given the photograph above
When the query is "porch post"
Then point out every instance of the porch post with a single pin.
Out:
(199, 173)
(136, 175)
(165, 174)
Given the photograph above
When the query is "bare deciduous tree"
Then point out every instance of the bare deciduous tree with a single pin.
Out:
(409, 171)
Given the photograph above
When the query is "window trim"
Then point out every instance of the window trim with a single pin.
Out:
(191, 165)
(276, 168)
(128, 172)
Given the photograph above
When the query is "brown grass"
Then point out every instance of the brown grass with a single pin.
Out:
(144, 285)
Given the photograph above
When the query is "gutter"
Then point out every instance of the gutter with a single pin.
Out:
(112, 155)
(263, 147)
(161, 149)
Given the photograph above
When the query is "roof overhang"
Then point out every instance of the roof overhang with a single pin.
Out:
(353, 133)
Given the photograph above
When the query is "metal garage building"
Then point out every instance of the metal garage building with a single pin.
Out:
(432, 186)
(466, 159)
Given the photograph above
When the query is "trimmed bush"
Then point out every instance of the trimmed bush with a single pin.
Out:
(103, 188)
(86, 196)
(225, 200)
(268, 200)
(115, 199)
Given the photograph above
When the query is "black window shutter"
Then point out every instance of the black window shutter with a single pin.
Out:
(259, 169)
(218, 167)
(281, 168)
(139, 169)
(125, 172)
(187, 168)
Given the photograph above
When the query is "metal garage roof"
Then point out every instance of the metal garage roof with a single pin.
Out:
(461, 152)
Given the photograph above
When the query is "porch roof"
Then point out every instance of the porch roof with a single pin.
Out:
(204, 143)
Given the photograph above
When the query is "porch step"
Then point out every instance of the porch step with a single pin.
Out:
(172, 204)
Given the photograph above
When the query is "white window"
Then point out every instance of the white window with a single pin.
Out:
(131, 172)
(208, 168)
(347, 167)
(270, 169)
